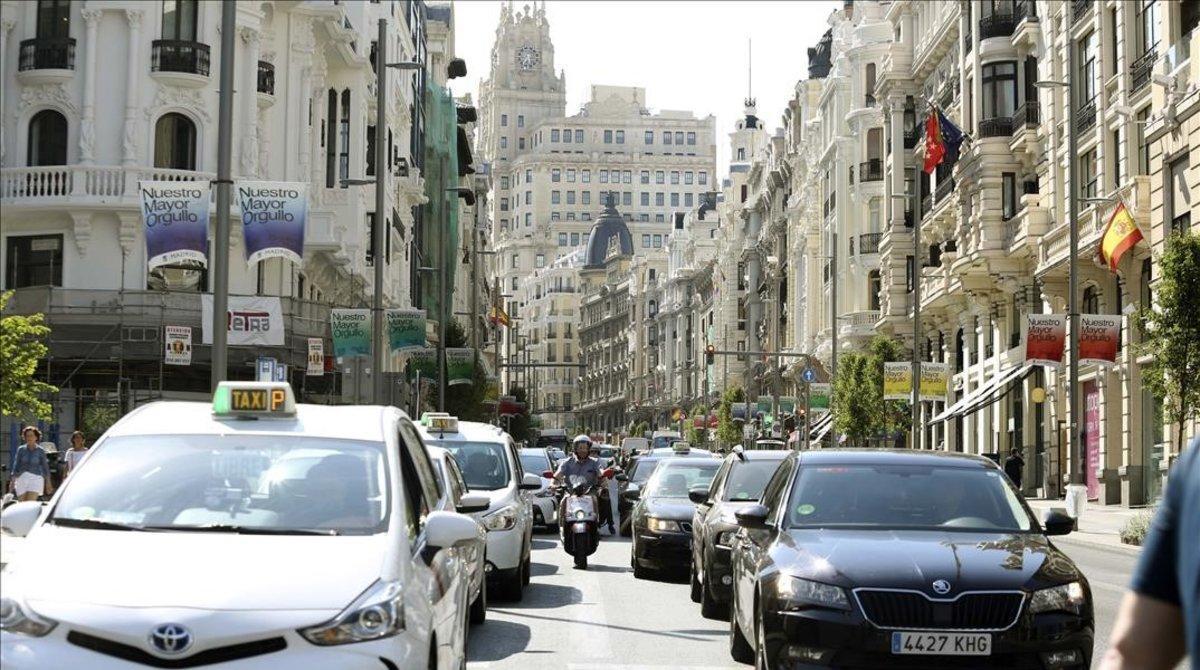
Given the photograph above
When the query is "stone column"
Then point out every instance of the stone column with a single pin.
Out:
(6, 25)
(129, 142)
(899, 159)
(249, 100)
(87, 124)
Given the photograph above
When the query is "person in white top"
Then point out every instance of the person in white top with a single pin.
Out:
(75, 454)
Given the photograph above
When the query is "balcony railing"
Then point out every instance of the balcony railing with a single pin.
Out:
(996, 25)
(870, 170)
(179, 56)
(944, 188)
(998, 127)
(47, 53)
(1085, 118)
(266, 77)
(868, 243)
(83, 183)
(1079, 9)
(926, 204)
(1141, 69)
(1028, 114)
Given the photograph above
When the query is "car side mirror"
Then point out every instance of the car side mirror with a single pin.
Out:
(19, 518)
(753, 517)
(622, 478)
(1056, 521)
(631, 494)
(531, 482)
(698, 495)
(450, 529)
(472, 503)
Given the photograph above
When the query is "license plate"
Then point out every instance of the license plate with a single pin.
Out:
(941, 644)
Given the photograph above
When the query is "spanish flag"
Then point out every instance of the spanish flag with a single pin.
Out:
(1120, 236)
(498, 316)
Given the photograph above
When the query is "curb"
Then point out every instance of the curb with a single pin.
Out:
(1115, 548)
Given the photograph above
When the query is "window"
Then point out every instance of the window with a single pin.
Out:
(667, 137)
(688, 178)
(643, 217)
(178, 20)
(1118, 157)
(659, 218)
(1088, 69)
(691, 138)
(555, 197)
(674, 199)
(578, 137)
(570, 216)
(539, 260)
(503, 142)
(1179, 206)
(645, 241)
(570, 197)
(660, 177)
(604, 176)
(503, 204)
(521, 143)
(703, 179)
(608, 137)
(504, 120)
(528, 220)
(344, 137)
(679, 138)
(554, 135)
(571, 176)
(174, 142)
(626, 176)
(504, 183)
(33, 260)
(520, 120)
(741, 153)
(1089, 177)
(674, 177)
(1008, 195)
(620, 137)
(514, 285)
(688, 200)
(999, 90)
(874, 286)
(1147, 23)
(645, 199)
(528, 197)
(516, 262)
(574, 239)
(556, 175)
(657, 241)
(645, 177)
(660, 199)
(586, 176)
(47, 143)
(649, 137)
(1143, 147)
(555, 216)
(627, 199)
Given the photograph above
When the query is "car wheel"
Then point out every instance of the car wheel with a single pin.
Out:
(626, 528)
(479, 607)
(511, 589)
(526, 571)
(709, 607)
(696, 587)
(739, 647)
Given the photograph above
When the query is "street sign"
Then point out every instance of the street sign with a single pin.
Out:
(809, 375)
(265, 366)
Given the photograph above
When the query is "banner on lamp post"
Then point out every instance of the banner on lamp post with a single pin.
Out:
(351, 330)
(274, 214)
(175, 217)
(405, 330)
(1099, 337)
(897, 380)
(316, 357)
(818, 398)
(763, 404)
(178, 345)
(935, 381)
(1045, 337)
(460, 366)
(423, 361)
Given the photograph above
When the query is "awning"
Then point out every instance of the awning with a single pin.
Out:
(985, 394)
(825, 428)
(818, 429)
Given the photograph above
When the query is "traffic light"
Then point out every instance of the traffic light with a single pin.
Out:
(709, 353)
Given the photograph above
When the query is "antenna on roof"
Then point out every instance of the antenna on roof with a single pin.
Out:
(749, 68)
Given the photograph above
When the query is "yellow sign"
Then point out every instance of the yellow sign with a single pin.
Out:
(935, 381)
(897, 381)
(257, 400)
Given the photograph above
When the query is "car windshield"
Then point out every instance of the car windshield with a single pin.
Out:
(674, 480)
(483, 464)
(275, 483)
(747, 479)
(641, 470)
(664, 441)
(535, 463)
(606, 452)
(905, 497)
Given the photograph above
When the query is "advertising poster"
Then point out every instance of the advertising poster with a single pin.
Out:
(1045, 339)
(763, 404)
(423, 361)
(1099, 337)
(178, 345)
(738, 410)
(252, 320)
(405, 329)
(273, 218)
(935, 381)
(818, 398)
(460, 366)
(316, 357)
(175, 216)
(351, 330)
(1091, 437)
(787, 405)
(897, 381)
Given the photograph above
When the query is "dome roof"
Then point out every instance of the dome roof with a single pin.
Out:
(609, 225)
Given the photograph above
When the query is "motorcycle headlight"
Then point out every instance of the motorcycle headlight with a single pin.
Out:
(725, 538)
(502, 519)
(1062, 598)
(801, 593)
(377, 613)
(662, 525)
(16, 617)
(580, 514)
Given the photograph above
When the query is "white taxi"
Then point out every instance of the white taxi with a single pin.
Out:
(253, 531)
(490, 465)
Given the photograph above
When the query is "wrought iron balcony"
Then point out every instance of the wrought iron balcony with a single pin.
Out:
(871, 170)
(868, 243)
(998, 127)
(266, 77)
(944, 188)
(1085, 118)
(1028, 114)
(179, 56)
(1142, 68)
(47, 53)
(997, 25)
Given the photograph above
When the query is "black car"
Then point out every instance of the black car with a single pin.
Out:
(637, 474)
(738, 484)
(662, 518)
(903, 559)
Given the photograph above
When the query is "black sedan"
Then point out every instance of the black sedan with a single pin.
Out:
(870, 559)
(637, 473)
(738, 484)
(662, 518)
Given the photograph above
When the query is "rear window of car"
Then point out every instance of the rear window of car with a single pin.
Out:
(747, 479)
(535, 463)
(675, 479)
(641, 470)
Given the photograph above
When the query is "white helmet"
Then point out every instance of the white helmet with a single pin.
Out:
(581, 438)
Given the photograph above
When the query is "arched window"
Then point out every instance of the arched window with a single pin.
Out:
(47, 139)
(175, 142)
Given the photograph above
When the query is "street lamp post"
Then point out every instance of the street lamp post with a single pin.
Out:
(378, 239)
(220, 265)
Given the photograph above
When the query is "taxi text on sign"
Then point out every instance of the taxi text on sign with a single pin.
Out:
(251, 320)
(257, 400)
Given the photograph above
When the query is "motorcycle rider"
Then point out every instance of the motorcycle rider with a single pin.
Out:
(581, 464)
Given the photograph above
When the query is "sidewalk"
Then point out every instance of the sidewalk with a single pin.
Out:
(1099, 526)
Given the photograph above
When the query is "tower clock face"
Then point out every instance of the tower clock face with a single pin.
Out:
(528, 57)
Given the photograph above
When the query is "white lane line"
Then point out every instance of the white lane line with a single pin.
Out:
(585, 621)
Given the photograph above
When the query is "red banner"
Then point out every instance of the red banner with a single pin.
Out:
(1099, 337)
(1045, 338)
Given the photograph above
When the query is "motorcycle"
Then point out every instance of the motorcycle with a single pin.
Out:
(578, 521)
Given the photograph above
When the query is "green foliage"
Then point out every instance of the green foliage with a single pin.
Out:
(98, 417)
(640, 429)
(859, 410)
(1135, 529)
(1171, 332)
(22, 344)
(466, 400)
(729, 432)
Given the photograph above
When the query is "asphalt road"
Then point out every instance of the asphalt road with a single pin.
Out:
(604, 618)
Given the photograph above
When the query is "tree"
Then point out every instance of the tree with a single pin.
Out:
(1171, 333)
(640, 428)
(466, 400)
(22, 345)
(859, 410)
(729, 431)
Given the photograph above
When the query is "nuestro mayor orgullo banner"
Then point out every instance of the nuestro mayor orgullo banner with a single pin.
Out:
(897, 381)
(351, 330)
(460, 366)
(274, 214)
(818, 398)
(175, 217)
(1045, 338)
(1099, 335)
(405, 329)
(423, 361)
(935, 381)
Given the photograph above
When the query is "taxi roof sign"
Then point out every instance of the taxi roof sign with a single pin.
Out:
(245, 400)
(442, 423)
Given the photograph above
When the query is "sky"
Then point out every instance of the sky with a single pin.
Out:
(687, 54)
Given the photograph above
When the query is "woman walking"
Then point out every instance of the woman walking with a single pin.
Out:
(75, 454)
(30, 468)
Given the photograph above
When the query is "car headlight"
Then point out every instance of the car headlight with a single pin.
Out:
(662, 525)
(377, 613)
(801, 593)
(16, 617)
(725, 538)
(1062, 598)
(502, 519)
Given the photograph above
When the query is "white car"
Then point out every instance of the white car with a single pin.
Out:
(545, 505)
(251, 531)
(458, 498)
(489, 463)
